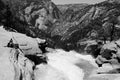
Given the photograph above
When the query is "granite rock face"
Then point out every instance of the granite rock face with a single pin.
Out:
(26, 15)
(97, 22)
(15, 63)
(14, 66)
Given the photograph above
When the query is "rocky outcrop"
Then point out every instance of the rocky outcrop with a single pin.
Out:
(14, 65)
(19, 63)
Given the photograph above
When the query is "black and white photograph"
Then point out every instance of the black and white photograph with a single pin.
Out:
(59, 39)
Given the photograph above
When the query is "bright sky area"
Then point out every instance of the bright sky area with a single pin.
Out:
(76, 1)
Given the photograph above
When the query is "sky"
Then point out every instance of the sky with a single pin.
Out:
(76, 1)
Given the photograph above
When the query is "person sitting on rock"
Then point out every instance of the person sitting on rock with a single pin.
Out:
(11, 44)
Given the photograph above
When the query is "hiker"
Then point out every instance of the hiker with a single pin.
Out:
(11, 44)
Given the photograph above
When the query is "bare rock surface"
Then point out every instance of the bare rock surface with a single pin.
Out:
(14, 66)
(27, 44)
(6, 67)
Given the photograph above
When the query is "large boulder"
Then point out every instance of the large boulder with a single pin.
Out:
(27, 44)
(18, 63)
(110, 53)
(14, 66)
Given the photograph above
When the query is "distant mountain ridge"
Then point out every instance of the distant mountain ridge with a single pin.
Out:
(75, 7)
(100, 19)
(63, 25)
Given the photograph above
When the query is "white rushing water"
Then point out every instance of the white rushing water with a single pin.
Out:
(65, 62)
